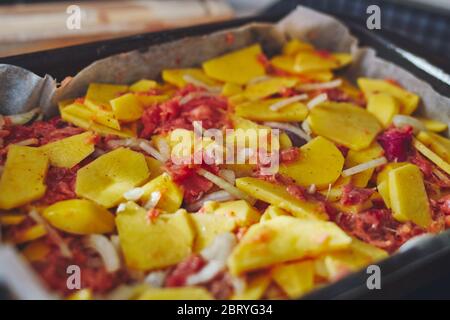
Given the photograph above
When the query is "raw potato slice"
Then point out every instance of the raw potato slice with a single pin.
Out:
(307, 61)
(285, 239)
(37, 251)
(108, 177)
(148, 244)
(438, 144)
(383, 183)
(383, 106)
(265, 88)
(143, 85)
(26, 235)
(79, 216)
(23, 177)
(236, 67)
(171, 194)
(320, 163)
(296, 278)
(98, 95)
(355, 158)
(183, 293)
(294, 46)
(434, 125)
(287, 64)
(231, 89)
(343, 59)
(127, 107)
(68, 152)
(345, 124)
(83, 117)
(240, 210)
(433, 157)
(260, 111)
(409, 200)
(155, 167)
(277, 195)
(272, 212)
(208, 226)
(176, 77)
(408, 101)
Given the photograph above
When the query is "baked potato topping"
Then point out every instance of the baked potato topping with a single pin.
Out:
(113, 183)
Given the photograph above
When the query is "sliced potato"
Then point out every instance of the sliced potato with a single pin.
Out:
(239, 210)
(23, 177)
(127, 108)
(277, 195)
(307, 61)
(434, 125)
(236, 67)
(79, 216)
(408, 101)
(149, 245)
(68, 152)
(294, 46)
(255, 287)
(177, 77)
(143, 85)
(171, 194)
(296, 278)
(108, 177)
(260, 111)
(98, 95)
(208, 226)
(408, 197)
(383, 106)
(320, 163)
(287, 64)
(272, 212)
(266, 88)
(355, 158)
(283, 239)
(437, 143)
(433, 157)
(345, 124)
(183, 293)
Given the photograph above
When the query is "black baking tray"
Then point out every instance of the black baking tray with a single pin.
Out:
(404, 275)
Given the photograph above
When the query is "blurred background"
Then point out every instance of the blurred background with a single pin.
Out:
(27, 26)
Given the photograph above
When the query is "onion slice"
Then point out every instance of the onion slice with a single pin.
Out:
(134, 194)
(219, 196)
(23, 118)
(194, 95)
(285, 102)
(289, 127)
(320, 85)
(364, 166)
(153, 200)
(317, 100)
(225, 185)
(401, 120)
(106, 250)
(145, 146)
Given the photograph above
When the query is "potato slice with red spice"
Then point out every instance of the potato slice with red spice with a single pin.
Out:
(283, 239)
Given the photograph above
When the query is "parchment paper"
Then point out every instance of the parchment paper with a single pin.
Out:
(21, 90)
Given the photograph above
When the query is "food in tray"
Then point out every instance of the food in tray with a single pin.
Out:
(245, 178)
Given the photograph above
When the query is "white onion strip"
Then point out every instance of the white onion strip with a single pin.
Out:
(194, 95)
(225, 185)
(106, 250)
(134, 194)
(320, 85)
(317, 100)
(401, 120)
(364, 166)
(305, 126)
(190, 79)
(23, 118)
(153, 200)
(53, 234)
(228, 175)
(27, 142)
(145, 146)
(289, 127)
(285, 102)
(218, 196)
(258, 79)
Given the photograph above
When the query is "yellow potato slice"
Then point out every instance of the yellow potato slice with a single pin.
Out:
(260, 111)
(408, 101)
(79, 216)
(320, 163)
(177, 77)
(108, 177)
(296, 278)
(433, 125)
(183, 293)
(383, 106)
(236, 67)
(408, 197)
(149, 245)
(29, 234)
(294, 46)
(265, 88)
(68, 152)
(36, 250)
(355, 158)
(272, 212)
(240, 210)
(143, 85)
(310, 61)
(231, 89)
(283, 239)
(127, 108)
(254, 288)
(208, 226)
(171, 194)
(98, 95)
(344, 124)
(278, 196)
(23, 177)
